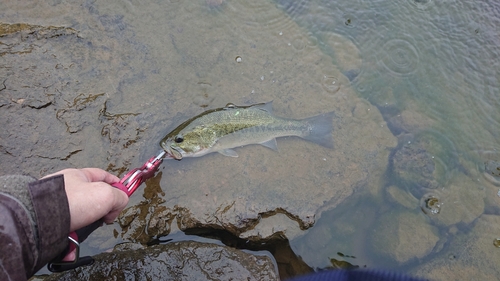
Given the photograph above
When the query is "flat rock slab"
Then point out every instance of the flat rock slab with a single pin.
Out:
(107, 92)
(187, 260)
(54, 110)
(299, 181)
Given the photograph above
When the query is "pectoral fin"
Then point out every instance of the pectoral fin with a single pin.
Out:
(271, 144)
(228, 152)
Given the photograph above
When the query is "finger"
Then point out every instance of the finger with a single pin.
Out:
(94, 201)
(71, 256)
(96, 174)
(121, 200)
(108, 201)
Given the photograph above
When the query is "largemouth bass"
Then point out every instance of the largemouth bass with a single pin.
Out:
(222, 129)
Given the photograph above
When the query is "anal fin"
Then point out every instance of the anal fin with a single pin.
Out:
(270, 144)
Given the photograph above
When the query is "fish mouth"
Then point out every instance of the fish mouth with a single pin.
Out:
(174, 152)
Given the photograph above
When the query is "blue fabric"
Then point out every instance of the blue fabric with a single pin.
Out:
(355, 275)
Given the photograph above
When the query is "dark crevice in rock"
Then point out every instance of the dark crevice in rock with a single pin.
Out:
(289, 264)
(71, 154)
(38, 105)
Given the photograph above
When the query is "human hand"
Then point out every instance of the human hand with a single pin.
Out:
(91, 197)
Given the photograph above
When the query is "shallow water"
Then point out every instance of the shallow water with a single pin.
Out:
(435, 62)
(429, 67)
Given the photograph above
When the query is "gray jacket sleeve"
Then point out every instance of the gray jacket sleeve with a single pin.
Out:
(34, 224)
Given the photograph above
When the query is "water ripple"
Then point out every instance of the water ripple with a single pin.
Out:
(330, 84)
(430, 204)
(421, 4)
(350, 20)
(399, 56)
(423, 163)
(490, 165)
(294, 8)
(259, 18)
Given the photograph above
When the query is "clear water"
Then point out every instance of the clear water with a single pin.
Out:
(430, 67)
(438, 60)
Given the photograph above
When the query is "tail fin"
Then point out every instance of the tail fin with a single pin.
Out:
(320, 130)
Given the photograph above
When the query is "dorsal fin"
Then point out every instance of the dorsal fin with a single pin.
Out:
(268, 106)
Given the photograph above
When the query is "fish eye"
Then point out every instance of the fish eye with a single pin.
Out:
(179, 139)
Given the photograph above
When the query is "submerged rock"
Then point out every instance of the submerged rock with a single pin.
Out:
(243, 195)
(414, 166)
(423, 161)
(403, 236)
(346, 54)
(402, 197)
(187, 260)
(462, 201)
(492, 167)
(469, 256)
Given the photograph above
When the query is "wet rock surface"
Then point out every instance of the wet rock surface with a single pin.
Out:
(472, 256)
(427, 173)
(79, 108)
(346, 54)
(423, 161)
(492, 167)
(404, 236)
(236, 193)
(53, 108)
(101, 84)
(102, 92)
(414, 165)
(185, 260)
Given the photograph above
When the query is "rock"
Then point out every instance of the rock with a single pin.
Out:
(462, 201)
(159, 223)
(414, 166)
(299, 181)
(402, 197)
(403, 236)
(345, 52)
(104, 238)
(126, 246)
(147, 220)
(117, 84)
(267, 226)
(56, 116)
(426, 167)
(406, 121)
(492, 167)
(469, 256)
(187, 260)
(38, 278)
(341, 234)
(423, 161)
